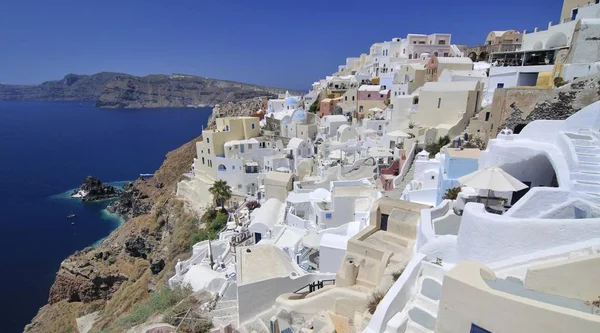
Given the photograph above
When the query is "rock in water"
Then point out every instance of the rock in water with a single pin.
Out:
(93, 189)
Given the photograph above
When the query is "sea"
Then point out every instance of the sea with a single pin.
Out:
(46, 150)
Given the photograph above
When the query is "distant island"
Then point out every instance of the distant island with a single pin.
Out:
(120, 90)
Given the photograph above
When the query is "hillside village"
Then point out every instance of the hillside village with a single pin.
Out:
(422, 187)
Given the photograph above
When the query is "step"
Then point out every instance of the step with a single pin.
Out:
(592, 149)
(223, 312)
(586, 186)
(397, 324)
(589, 166)
(225, 304)
(586, 175)
(588, 158)
(225, 320)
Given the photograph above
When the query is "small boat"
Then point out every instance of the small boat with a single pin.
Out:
(70, 216)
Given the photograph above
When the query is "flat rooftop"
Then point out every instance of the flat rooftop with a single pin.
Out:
(464, 153)
(261, 262)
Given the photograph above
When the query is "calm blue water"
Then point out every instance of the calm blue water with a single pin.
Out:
(47, 148)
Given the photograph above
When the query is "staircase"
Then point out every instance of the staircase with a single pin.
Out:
(586, 176)
(260, 324)
(225, 312)
(420, 313)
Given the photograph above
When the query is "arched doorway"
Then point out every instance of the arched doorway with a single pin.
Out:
(483, 56)
(473, 56)
(519, 128)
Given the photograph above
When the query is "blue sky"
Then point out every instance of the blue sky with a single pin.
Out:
(279, 43)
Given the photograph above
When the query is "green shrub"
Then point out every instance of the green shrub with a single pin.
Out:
(435, 147)
(158, 302)
(559, 81)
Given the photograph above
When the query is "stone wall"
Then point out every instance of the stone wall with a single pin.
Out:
(515, 107)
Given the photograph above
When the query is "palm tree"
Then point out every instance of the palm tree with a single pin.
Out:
(221, 192)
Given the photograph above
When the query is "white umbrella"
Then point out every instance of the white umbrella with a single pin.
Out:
(398, 134)
(337, 154)
(492, 179)
(379, 152)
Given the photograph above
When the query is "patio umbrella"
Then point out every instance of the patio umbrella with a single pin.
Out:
(492, 179)
(379, 152)
(398, 134)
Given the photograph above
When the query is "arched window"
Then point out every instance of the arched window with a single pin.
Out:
(233, 167)
(379, 127)
(222, 167)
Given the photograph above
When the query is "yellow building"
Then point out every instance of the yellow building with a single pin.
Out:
(213, 141)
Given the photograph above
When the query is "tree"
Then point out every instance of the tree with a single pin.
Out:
(314, 107)
(221, 192)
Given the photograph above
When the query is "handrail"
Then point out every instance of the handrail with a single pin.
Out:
(315, 286)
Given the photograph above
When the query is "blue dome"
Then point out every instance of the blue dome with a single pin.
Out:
(299, 115)
(291, 101)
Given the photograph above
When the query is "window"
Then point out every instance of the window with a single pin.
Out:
(439, 102)
(403, 51)
(574, 13)
(252, 126)
(207, 140)
(202, 160)
(368, 95)
(361, 109)
(233, 167)
(477, 329)
(410, 56)
(353, 98)
(414, 42)
(345, 98)
(379, 127)
(209, 150)
(442, 42)
(445, 54)
(500, 85)
(487, 116)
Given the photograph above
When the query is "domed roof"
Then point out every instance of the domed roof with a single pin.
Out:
(291, 101)
(299, 115)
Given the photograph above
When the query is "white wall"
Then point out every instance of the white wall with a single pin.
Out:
(487, 238)
(547, 38)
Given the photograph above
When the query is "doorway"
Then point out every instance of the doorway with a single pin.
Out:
(384, 222)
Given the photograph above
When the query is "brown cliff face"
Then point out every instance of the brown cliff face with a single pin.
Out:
(132, 261)
(176, 91)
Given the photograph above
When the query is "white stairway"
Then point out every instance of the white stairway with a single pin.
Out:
(225, 312)
(586, 178)
(420, 313)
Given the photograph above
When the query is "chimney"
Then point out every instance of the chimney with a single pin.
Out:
(536, 29)
(549, 24)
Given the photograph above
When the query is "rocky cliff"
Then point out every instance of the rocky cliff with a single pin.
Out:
(118, 90)
(136, 259)
(177, 91)
(72, 87)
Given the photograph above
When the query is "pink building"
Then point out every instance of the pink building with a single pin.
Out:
(327, 105)
(369, 97)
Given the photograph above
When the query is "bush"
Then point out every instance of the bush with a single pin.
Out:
(376, 297)
(396, 275)
(158, 302)
(452, 193)
(435, 147)
(559, 81)
(314, 107)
